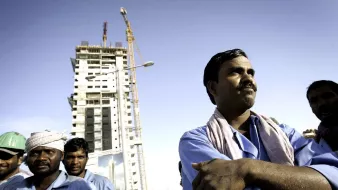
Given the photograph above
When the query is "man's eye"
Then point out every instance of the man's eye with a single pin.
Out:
(328, 95)
(313, 100)
(252, 73)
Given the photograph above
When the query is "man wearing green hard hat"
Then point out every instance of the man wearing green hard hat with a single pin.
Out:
(12, 148)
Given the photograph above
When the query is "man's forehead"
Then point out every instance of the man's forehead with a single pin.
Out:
(318, 91)
(78, 152)
(241, 62)
(41, 148)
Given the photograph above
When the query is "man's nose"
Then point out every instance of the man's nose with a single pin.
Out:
(42, 156)
(321, 102)
(247, 79)
(75, 161)
(2, 161)
(248, 76)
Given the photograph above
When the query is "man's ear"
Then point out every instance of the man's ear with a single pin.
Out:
(211, 85)
(21, 159)
(62, 156)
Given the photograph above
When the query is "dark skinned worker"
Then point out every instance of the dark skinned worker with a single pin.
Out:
(240, 149)
(44, 155)
(76, 158)
(12, 149)
(323, 99)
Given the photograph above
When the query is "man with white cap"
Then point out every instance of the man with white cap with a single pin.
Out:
(44, 154)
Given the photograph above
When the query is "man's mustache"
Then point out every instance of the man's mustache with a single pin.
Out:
(3, 165)
(247, 85)
(41, 164)
(329, 109)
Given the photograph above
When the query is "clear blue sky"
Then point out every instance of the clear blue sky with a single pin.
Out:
(290, 44)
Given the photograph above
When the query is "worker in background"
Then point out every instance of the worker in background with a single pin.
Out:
(323, 99)
(44, 155)
(76, 158)
(239, 148)
(12, 148)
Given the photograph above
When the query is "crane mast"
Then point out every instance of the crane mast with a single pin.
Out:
(138, 132)
(104, 37)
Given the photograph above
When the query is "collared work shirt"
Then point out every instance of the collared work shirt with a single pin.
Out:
(195, 147)
(15, 178)
(62, 182)
(100, 182)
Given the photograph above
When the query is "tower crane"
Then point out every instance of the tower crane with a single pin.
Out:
(138, 132)
(104, 37)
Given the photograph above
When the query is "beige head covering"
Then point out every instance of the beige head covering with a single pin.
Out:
(47, 138)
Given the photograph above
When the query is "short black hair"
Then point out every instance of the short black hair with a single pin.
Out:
(321, 83)
(212, 69)
(76, 144)
(180, 166)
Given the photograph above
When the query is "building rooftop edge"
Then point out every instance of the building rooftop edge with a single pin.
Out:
(99, 47)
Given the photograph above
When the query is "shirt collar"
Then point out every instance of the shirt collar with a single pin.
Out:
(88, 176)
(246, 145)
(59, 181)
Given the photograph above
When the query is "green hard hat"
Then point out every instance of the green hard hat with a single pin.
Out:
(12, 142)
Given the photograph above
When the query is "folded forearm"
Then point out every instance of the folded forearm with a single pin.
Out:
(268, 175)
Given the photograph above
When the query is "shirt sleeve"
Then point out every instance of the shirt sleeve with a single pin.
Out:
(310, 154)
(194, 147)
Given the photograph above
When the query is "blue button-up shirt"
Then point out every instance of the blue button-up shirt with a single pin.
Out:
(15, 178)
(100, 182)
(62, 182)
(195, 147)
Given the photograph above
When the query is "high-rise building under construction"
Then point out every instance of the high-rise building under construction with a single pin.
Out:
(100, 106)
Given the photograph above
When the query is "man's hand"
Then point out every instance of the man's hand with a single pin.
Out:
(220, 174)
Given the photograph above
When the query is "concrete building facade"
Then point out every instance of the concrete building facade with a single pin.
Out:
(101, 110)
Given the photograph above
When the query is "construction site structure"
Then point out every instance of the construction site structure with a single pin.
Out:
(102, 113)
(104, 37)
(135, 100)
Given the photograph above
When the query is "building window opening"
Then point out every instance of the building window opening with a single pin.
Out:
(107, 95)
(105, 101)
